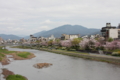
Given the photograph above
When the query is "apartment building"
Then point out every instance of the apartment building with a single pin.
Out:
(110, 31)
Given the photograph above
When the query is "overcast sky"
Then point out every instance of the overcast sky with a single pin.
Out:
(25, 17)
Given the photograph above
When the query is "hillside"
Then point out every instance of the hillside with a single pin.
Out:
(5, 37)
(67, 29)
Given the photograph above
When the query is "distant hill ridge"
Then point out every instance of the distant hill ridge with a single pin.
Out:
(68, 29)
(5, 37)
(65, 29)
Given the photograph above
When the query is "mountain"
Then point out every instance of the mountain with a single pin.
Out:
(67, 29)
(38, 34)
(5, 37)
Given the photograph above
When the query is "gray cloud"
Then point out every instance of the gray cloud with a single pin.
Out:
(24, 17)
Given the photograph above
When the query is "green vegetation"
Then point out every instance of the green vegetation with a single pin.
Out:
(2, 55)
(116, 53)
(15, 77)
(50, 42)
(0, 58)
(23, 54)
(75, 43)
(23, 47)
(5, 51)
(83, 55)
(110, 39)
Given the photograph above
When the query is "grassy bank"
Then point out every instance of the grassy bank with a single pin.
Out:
(9, 75)
(22, 47)
(97, 57)
(17, 55)
(15, 77)
(23, 54)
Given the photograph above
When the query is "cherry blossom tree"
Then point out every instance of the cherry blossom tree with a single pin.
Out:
(66, 43)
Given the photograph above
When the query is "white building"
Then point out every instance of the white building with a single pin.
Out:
(72, 36)
(113, 33)
(69, 36)
(51, 37)
(110, 31)
(32, 38)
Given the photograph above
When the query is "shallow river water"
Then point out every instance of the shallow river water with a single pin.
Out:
(63, 68)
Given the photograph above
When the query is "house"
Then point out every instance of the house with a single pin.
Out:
(51, 37)
(32, 38)
(92, 36)
(22, 40)
(86, 36)
(42, 38)
(71, 36)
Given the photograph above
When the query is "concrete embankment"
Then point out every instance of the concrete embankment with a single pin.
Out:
(97, 57)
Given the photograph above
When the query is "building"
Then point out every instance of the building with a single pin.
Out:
(64, 37)
(111, 31)
(108, 31)
(51, 37)
(71, 36)
(32, 38)
(119, 26)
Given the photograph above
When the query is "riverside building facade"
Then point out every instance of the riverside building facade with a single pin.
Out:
(110, 31)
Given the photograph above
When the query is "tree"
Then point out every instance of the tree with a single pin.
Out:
(66, 43)
(110, 39)
(44, 43)
(75, 43)
(57, 41)
(91, 43)
(50, 43)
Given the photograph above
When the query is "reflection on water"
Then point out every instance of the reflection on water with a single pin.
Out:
(64, 67)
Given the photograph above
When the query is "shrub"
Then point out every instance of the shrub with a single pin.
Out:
(15, 77)
(87, 47)
(68, 48)
(109, 39)
(63, 48)
(115, 54)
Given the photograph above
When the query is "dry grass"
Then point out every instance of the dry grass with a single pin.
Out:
(17, 55)
(41, 65)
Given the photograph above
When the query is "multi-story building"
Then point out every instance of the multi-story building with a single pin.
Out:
(32, 38)
(108, 30)
(111, 31)
(71, 36)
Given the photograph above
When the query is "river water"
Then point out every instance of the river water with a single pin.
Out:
(63, 68)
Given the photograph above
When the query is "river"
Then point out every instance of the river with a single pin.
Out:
(63, 68)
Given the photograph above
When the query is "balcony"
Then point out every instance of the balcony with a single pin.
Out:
(103, 30)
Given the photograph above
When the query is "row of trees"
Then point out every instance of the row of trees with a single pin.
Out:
(83, 44)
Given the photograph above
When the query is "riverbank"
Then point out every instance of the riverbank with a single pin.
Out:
(5, 58)
(97, 57)
(9, 75)
(64, 66)
(16, 55)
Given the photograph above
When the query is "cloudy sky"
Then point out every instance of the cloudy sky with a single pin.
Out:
(25, 17)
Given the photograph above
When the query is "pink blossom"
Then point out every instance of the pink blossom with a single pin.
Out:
(66, 43)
